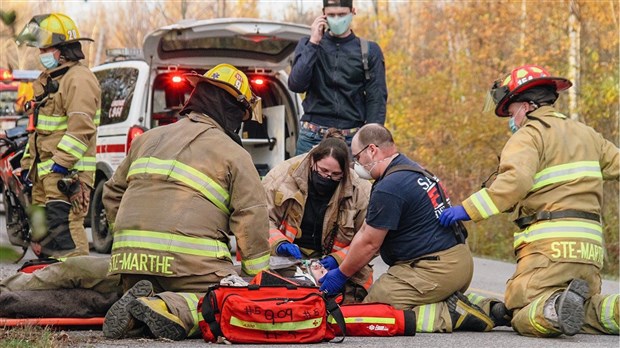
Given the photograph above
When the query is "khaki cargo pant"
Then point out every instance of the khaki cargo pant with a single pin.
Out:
(181, 295)
(537, 278)
(425, 286)
(66, 235)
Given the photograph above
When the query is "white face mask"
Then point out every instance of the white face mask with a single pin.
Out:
(363, 172)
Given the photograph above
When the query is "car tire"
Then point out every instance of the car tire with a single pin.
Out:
(102, 237)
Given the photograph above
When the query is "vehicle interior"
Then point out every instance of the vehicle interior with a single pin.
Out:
(171, 91)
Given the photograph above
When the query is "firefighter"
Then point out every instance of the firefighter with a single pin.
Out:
(316, 204)
(61, 148)
(550, 176)
(174, 201)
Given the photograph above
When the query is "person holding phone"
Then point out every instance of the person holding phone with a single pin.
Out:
(342, 75)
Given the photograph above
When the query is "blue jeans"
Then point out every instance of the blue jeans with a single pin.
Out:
(308, 139)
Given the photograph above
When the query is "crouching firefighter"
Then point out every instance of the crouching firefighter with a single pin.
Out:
(62, 144)
(550, 176)
(174, 201)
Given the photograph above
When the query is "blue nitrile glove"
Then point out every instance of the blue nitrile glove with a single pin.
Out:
(289, 249)
(333, 281)
(57, 168)
(452, 215)
(329, 262)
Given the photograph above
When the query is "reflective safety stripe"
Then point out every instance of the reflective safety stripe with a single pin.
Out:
(287, 326)
(607, 314)
(474, 298)
(426, 318)
(276, 237)
(253, 266)
(86, 164)
(566, 172)
(192, 303)
(532, 317)
(51, 123)
(370, 320)
(72, 146)
(27, 151)
(558, 230)
(484, 204)
(97, 119)
(162, 241)
(187, 175)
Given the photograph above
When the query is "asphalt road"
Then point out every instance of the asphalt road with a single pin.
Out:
(489, 279)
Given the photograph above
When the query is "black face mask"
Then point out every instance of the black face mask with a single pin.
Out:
(323, 186)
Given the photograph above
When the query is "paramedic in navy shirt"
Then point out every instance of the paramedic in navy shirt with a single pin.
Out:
(429, 266)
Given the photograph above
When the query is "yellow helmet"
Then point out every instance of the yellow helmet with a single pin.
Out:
(49, 30)
(235, 82)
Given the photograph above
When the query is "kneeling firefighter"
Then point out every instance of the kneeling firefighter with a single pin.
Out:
(174, 201)
(61, 149)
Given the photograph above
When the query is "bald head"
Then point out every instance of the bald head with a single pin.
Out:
(374, 133)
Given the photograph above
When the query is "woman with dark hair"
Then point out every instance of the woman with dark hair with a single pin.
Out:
(316, 204)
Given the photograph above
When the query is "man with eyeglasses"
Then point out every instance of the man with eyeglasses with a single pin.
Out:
(430, 266)
(342, 75)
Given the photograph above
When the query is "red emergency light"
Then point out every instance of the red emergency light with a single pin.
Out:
(177, 79)
(5, 75)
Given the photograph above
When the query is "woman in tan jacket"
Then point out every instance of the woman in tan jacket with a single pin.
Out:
(316, 205)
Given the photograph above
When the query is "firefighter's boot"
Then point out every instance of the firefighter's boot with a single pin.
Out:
(467, 316)
(118, 321)
(154, 312)
(500, 315)
(566, 310)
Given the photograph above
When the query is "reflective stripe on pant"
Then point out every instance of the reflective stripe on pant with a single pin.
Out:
(536, 279)
(66, 234)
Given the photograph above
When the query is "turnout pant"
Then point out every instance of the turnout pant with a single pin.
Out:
(65, 229)
(537, 278)
(424, 285)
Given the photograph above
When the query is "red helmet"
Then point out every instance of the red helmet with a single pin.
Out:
(504, 91)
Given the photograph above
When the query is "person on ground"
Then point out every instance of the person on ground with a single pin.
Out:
(316, 204)
(173, 203)
(430, 266)
(550, 177)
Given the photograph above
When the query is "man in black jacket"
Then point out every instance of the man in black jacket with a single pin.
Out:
(342, 75)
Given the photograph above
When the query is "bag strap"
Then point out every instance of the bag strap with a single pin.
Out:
(364, 49)
(460, 233)
(334, 310)
(208, 312)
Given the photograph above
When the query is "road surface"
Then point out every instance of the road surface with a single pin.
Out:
(489, 279)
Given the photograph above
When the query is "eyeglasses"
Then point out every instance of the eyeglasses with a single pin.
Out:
(327, 175)
(356, 157)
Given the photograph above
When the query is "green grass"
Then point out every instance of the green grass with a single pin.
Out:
(32, 337)
(8, 254)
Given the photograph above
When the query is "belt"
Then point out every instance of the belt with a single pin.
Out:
(552, 215)
(321, 130)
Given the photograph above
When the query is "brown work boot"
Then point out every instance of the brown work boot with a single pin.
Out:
(118, 321)
(570, 307)
(154, 312)
(467, 316)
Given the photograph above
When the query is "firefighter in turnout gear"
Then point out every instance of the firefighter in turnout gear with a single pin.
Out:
(63, 120)
(550, 176)
(175, 200)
